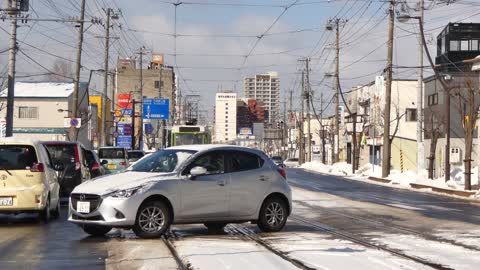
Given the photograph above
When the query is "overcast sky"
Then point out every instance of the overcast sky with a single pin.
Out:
(215, 37)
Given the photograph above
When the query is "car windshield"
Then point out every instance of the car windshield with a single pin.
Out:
(111, 153)
(135, 154)
(17, 157)
(162, 161)
(277, 158)
(188, 139)
(62, 152)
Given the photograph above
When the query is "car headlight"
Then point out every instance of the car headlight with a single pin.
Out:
(125, 193)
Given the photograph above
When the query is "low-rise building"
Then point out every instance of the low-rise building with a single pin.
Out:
(41, 108)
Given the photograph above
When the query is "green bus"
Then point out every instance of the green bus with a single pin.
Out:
(186, 135)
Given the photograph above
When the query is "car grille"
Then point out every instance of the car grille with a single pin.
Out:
(94, 218)
(94, 200)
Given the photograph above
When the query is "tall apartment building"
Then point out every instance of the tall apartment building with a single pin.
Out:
(225, 117)
(266, 89)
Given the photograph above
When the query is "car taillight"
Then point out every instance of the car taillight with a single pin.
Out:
(77, 166)
(123, 163)
(283, 173)
(38, 168)
(95, 166)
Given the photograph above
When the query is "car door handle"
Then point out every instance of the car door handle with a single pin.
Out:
(221, 183)
(263, 178)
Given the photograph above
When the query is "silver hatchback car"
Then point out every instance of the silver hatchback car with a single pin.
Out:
(209, 184)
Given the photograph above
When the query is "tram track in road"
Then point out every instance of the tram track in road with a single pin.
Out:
(248, 234)
(389, 225)
(167, 240)
(363, 242)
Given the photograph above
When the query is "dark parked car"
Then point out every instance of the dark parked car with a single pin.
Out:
(73, 157)
(94, 164)
(278, 160)
(135, 155)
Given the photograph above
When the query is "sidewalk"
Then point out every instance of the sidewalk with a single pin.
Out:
(406, 180)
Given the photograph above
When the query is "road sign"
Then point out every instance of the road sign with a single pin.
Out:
(124, 129)
(155, 108)
(124, 141)
(72, 122)
(124, 101)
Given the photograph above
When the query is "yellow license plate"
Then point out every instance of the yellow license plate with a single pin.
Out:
(111, 166)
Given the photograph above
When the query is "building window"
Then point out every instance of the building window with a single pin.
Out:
(464, 45)
(433, 99)
(454, 45)
(158, 84)
(411, 115)
(226, 116)
(28, 112)
(226, 125)
(226, 121)
(474, 45)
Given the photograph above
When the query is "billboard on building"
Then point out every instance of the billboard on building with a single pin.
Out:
(245, 131)
(124, 101)
(157, 59)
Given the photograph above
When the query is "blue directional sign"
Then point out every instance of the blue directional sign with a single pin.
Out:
(124, 141)
(148, 128)
(155, 108)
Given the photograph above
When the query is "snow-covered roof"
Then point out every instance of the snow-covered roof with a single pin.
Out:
(41, 89)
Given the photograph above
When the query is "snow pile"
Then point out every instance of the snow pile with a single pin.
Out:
(405, 178)
(341, 168)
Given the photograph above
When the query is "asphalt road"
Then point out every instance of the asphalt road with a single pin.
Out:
(359, 208)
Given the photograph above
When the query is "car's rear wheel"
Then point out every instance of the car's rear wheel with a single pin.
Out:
(215, 226)
(96, 230)
(273, 215)
(56, 212)
(153, 219)
(44, 214)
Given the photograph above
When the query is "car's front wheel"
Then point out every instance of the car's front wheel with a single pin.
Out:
(273, 215)
(96, 230)
(153, 219)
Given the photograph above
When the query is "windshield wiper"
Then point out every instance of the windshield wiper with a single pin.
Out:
(6, 171)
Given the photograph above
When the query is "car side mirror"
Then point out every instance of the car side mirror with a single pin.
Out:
(104, 162)
(58, 166)
(197, 171)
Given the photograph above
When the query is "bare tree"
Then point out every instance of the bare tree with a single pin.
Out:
(468, 104)
(63, 71)
(433, 129)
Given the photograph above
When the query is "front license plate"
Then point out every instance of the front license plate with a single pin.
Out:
(111, 166)
(6, 201)
(83, 207)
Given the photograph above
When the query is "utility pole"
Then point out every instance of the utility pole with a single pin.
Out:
(103, 137)
(78, 66)
(322, 133)
(134, 103)
(308, 97)
(301, 157)
(140, 140)
(420, 146)
(289, 127)
(388, 97)
(13, 11)
(337, 93)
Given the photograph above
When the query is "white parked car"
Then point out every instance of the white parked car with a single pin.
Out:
(291, 162)
(209, 184)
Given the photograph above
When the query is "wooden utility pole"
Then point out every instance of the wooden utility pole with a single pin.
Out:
(289, 129)
(388, 97)
(323, 131)
(103, 137)
(301, 147)
(13, 11)
(336, 149)
(78, 66)
(308, 97)
(420, 146)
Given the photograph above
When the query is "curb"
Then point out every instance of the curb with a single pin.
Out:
(381, 180)
(462, 193)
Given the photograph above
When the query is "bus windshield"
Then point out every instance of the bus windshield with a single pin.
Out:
(187, 139)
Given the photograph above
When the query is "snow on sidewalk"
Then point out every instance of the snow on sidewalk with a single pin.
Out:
(397, 178)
